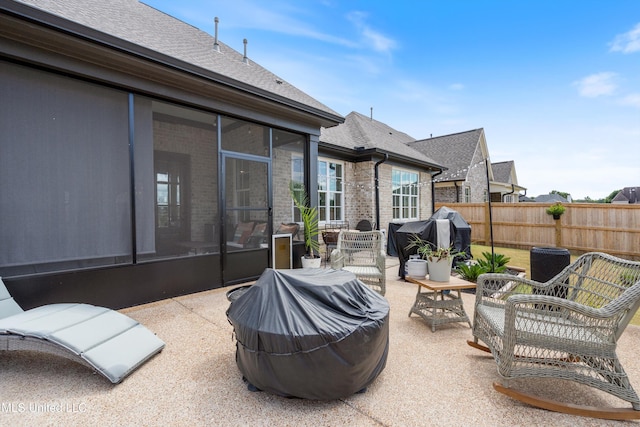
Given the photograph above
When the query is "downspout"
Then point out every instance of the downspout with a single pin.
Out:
(513, 190)
(433, 191)
(455, 185)
(375, 168)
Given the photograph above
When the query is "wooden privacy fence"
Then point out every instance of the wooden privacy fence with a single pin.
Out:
(584, 227)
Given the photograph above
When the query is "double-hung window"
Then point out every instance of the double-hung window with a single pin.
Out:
(405, 194)
(330, 191)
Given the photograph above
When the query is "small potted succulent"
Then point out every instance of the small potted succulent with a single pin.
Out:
(556, 210)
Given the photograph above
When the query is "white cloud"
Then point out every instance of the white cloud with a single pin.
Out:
(628, 42)
(632, 100)
(595, 85)
(375, 39)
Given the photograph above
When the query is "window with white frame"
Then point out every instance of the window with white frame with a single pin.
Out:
(330, 191)
(405, 194)
(467, 194)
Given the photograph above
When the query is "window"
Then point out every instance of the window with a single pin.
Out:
(405, 194)
(467, 194)
(330, 191)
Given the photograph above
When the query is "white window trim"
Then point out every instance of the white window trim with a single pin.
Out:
(343, 206)
(417, 196)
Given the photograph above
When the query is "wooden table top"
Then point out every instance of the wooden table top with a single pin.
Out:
(453, 283)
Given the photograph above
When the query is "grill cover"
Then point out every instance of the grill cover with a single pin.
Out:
(310, 333)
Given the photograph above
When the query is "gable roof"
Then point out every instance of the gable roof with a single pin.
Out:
(627, 195)
(502, 171)
(140, 25)
(455, 151)
(364, 134)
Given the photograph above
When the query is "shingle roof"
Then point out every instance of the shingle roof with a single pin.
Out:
(455, 151)
(138, 23)
(550, 198)
(359, 130)
(628, 195)
(502, 171)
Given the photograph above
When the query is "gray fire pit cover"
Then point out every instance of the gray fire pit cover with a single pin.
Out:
(310, 333)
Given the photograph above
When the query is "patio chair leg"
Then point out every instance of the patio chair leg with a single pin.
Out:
(568, 408)
(476, 344)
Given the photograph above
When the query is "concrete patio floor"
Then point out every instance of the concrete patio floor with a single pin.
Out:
(431, 379)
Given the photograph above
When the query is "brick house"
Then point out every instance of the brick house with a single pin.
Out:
(140, 157)
(375, 175)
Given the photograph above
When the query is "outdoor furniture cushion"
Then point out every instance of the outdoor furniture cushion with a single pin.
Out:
(108, 341)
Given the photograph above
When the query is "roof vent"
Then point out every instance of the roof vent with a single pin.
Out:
(216, 46)
(244, 58)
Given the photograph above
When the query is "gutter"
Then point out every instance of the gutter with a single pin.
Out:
(378, 163)
(433, 192)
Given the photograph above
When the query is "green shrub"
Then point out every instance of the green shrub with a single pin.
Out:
(496, 264)
(470, 272)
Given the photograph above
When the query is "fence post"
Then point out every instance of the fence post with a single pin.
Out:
(558, 233)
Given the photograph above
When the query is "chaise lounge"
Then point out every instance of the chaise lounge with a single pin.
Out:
(100, 338)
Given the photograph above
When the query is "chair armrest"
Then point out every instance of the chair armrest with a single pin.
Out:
(499, 286)
(381, 261)
(546, 303)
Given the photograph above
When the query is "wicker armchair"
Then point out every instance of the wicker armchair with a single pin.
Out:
(361, 252)
(566, 328)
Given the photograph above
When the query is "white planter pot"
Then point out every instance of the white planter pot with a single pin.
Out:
(311, 262)
(417, 268)
(440, 271)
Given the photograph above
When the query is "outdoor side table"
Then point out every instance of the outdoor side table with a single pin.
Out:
(438, 307)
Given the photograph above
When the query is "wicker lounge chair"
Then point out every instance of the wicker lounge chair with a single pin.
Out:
(100, 338)
(361, 253)
(566, 328)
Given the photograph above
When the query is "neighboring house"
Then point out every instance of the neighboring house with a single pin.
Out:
(551, 198)
(370, 172)
(140, 157)
(505, 182)
(628, 195)
(465, 155)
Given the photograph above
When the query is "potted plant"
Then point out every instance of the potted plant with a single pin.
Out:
(309, 216)
(439, 260)
(556, 210)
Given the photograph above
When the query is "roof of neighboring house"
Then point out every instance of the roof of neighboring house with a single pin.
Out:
(142, 25)
(627, 195)
(455, 151)
(550, 198)
(502, 171)
(362, 133)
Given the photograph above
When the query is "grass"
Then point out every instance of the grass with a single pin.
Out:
(520, 258)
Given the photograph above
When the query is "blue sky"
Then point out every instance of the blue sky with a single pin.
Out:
(555, 84)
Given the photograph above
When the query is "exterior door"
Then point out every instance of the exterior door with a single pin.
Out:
(246, 212)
